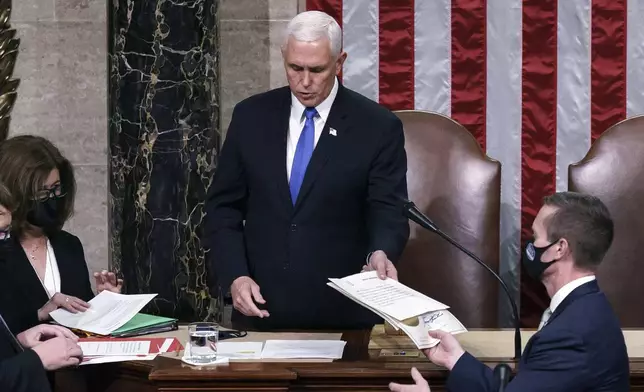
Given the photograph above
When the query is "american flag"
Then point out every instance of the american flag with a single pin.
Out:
(535, 82)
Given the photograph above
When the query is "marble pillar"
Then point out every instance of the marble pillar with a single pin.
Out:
(8, 53)
(163, 142)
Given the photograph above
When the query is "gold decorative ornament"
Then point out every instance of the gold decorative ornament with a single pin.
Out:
(8, 55)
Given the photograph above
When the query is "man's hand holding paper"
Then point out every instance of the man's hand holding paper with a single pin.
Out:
(379, 262)
(404, 308)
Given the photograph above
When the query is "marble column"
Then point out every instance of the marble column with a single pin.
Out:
(8, 53)
(163, 141)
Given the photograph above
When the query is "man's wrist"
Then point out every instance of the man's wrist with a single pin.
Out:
(454, 360)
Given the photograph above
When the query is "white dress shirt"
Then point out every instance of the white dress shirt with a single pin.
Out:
(296, 124)
(560, 295)
(568, 288)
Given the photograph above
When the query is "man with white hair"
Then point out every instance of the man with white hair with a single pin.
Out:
(308, 187)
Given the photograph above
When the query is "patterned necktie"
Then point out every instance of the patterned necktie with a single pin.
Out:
(303, 153)
(545, 318)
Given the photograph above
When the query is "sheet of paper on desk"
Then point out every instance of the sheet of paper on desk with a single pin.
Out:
(240, 350)
(108, 311)
(134, 352)
(115, 358)
(103, 348)
(387, 296)
(292, 349)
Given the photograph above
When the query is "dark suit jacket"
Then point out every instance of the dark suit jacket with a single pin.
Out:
(581, 348)
(348, 206)
(21, 289)
(20, 370)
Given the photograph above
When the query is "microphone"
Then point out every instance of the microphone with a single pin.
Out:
(411, 212)
(502, 373)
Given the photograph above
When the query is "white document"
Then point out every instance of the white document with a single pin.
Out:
(108, 311)
(291, 349)
(417, 328)
(402, 307)
(240, 350)
(118, 348)
(387, 296)
(115, 358)
(391, 321)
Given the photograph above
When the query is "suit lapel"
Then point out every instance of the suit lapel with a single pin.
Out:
(327, 145)
(276, 147)
(31, 286)
(585, 289)
(12, 338)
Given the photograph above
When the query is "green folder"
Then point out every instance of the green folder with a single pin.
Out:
(143, 324)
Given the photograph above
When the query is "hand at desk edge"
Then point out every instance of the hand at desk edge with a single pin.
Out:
(420, 384)
(245, 293)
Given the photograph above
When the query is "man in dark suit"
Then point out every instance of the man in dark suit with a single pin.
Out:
(307, 188)
(579, 345)
(25, 359)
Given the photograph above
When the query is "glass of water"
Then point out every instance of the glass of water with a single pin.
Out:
(202, 346)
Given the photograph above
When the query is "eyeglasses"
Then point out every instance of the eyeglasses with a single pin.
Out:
(50, 193)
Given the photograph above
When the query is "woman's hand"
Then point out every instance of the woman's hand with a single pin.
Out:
(107, 281)
(60, 300)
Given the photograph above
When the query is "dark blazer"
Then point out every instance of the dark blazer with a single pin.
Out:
(581, 348)
(348, 206)
(21, 289)
(20, 370)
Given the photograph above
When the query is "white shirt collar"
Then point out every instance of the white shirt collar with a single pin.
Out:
(323, 109)
(568, 288)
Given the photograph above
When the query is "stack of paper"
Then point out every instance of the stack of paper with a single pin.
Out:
(119, 350)
(282, 349)
(112, 314)
(404, 308)
(290, 349)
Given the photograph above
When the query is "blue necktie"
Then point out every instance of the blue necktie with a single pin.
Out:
(303, 153)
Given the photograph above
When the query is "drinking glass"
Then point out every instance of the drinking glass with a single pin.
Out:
(202, 343)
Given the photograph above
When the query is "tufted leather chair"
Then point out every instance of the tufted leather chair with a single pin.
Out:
(455, 184)
(613, 170)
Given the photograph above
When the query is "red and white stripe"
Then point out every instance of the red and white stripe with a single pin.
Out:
(534, 81)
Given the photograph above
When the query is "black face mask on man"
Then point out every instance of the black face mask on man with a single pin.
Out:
(531, 260)
(44, 213)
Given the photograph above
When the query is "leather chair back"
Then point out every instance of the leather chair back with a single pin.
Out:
(456, 185)
(613, 170)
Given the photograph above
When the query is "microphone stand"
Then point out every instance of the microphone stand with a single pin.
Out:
(412, 212)
(502, 371)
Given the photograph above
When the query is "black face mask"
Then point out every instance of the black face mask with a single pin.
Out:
(531, 260)
(44, 214)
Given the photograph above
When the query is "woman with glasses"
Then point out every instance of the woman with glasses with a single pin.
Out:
(48, 268)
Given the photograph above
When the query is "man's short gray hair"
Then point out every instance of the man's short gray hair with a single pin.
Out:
(313, 26)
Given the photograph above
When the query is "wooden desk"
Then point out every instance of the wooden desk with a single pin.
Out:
(367, 366)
